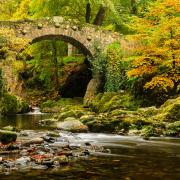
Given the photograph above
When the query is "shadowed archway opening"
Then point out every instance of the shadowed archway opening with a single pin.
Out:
(73, 76)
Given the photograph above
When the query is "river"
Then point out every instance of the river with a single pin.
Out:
(131, 157)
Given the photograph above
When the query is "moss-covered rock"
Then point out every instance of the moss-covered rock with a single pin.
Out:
(148, 131)
(173, 129)
(73, 125)
(63, 104)
(12, 104)
(169, 111)
(110, 101)
(7, 137)
(9, 128)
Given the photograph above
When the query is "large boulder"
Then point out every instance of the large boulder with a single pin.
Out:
(73, 125)
(169, 111)
(12, 104)
(7, 137)
(110, 101)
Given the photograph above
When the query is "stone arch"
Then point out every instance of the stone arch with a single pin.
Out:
(76, 84)
(86, 52)
(83, 36)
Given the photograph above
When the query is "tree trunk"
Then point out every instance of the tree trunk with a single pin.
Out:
(88, 12)
(100, 16)
(133, 6)
(55, 63)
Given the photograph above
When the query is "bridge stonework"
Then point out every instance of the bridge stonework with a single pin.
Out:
(82, 36)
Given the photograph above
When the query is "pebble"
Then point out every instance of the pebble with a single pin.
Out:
(23, 160)
(40, 167)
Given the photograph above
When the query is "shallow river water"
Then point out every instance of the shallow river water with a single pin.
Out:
(131, 157)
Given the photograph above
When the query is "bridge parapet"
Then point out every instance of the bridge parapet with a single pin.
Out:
(83, 36)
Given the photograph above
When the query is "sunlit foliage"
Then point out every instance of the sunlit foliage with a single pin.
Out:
(157, 60)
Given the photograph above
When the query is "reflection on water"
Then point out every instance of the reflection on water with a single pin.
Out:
(132, 157)
(24, 121)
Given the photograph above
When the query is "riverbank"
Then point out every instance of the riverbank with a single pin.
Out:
(118, 113)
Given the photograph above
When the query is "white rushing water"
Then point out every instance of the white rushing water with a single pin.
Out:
(35, 110)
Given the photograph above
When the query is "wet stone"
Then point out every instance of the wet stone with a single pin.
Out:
(48, 163)
(61, 159)
(23, 160)
(34, 141)
(40, 167)
(60, 144)
(66, 153)
(45, 150)
(49, 139)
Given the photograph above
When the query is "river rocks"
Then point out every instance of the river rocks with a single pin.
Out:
(48, 121)
(40, 167)
(1, 159)
(23, 160)
(59, 144)
(7, 137)
(73, 125)
(62, 159)
(39, 154)
(34, 141)
(53, 134)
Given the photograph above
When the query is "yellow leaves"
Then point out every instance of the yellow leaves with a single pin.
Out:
(18, 66)
(172, 43)
(175, 4)
(177, 62)
(141, 71)
(13, 43)
(22, 11)
(176, 77)
(160, 83)
(164, 8)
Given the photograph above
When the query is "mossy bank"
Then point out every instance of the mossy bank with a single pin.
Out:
(120, 113)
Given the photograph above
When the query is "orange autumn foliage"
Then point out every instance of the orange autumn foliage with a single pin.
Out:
(157, 59)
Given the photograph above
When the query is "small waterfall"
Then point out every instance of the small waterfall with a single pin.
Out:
(35, 110)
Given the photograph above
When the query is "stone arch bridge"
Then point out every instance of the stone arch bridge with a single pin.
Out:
(82, 36)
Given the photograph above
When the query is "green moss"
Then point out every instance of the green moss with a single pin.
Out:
(71, 59)
(169, 111)
(48, 104)
(24, 107)
(110, 101)
(9, 128)
(12, 104)
(173, 129)
(7, 137)
(148, 131)
(148, 112)
(61, 104)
